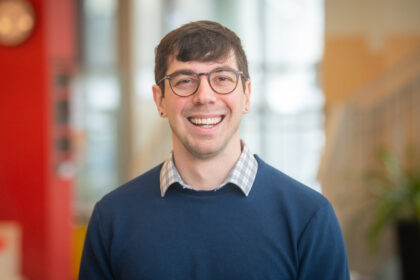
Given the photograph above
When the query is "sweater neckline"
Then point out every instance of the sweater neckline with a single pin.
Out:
(228, 188)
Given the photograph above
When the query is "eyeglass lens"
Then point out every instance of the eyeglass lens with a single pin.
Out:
(221, 81)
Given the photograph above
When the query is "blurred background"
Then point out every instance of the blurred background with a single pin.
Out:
(335, 87)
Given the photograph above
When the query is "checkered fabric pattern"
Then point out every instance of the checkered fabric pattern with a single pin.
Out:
(242, 175)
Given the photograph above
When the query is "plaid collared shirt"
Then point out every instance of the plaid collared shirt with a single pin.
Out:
(242, 175)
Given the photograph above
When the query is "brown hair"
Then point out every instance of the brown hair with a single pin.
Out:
(199, 41)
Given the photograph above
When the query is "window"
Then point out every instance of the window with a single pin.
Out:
(96, 101)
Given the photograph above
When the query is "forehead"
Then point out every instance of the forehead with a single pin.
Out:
(201, 66)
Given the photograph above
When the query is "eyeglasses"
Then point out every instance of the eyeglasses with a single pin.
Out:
(185, 83)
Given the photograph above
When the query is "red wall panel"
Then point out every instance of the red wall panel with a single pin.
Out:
(30, 190)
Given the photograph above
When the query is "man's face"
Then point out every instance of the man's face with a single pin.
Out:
(205, 124)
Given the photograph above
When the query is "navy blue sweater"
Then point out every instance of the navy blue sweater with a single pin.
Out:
(282, 230)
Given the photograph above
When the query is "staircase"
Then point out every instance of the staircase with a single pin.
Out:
(385, 113)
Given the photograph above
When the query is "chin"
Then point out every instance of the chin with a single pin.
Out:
(203, 151)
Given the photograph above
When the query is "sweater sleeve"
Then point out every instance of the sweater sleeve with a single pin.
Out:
(322, 253)
(95, 263)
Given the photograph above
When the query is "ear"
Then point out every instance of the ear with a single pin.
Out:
(159, 100)
(247, 97)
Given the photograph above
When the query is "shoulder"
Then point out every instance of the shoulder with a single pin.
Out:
(308, 218)
(289, 194)
(275, 180)
(140, 188)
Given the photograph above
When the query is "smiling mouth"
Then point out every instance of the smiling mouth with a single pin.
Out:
(206, 122)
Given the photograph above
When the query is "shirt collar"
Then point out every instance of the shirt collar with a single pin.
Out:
(242, 175)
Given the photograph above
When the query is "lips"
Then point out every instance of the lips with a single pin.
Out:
(205, 122)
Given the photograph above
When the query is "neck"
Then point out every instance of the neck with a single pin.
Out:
(207, 173)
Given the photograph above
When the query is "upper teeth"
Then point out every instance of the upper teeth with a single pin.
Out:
(206, 120)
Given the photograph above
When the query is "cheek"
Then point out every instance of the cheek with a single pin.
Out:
(175, 108)
(235, 103)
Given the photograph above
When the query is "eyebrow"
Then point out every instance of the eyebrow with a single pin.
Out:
(225, 67)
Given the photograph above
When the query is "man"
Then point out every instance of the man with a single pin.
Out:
(212, 210)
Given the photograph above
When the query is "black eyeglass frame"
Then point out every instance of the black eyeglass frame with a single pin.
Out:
(168, 77)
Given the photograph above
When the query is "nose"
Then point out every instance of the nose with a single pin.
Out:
(205, 94)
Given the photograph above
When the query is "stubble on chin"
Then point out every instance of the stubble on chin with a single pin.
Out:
(202, 151)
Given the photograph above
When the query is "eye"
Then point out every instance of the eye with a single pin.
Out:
(184, 80)
(224, 77)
